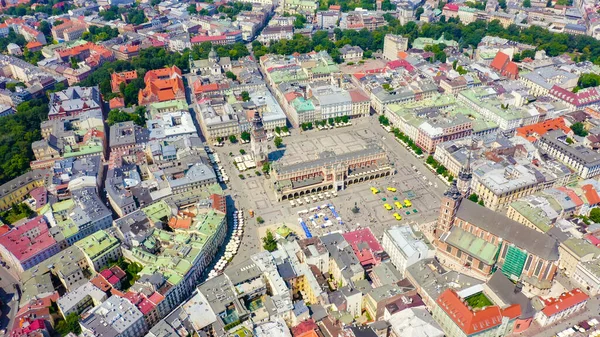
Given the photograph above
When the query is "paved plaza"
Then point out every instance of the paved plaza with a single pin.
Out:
(412, 181)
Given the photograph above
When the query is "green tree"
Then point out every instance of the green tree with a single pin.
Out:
(231, 75)
(277, 130)
(595, 215)
(418, 13)
(588, 80)
(285, 129)
(70, 324)
(136, 16)
(119, 116)
(266, 167)
(245, 96)
(527, 3)
(278, 141)
(383, 120)
(474, 197)
(299, 21)
(579, 129)
(232, 139)
(269, 242)
(245, 136)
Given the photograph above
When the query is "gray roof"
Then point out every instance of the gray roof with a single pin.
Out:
(498, 224)
(89, 208)
(505, 290)
(329, 158)
(116, 312)
(243, 272)
(317, 312)
(341, 251)
(219, 293)
(286, 271)
(580, 154)
(127, 133)
(387, 273)
(385, 292)
(434, 279)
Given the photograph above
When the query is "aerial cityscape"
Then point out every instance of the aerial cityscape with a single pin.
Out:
(299, 168)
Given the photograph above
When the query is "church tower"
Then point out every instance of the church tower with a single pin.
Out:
(465, 174)
(258, 140)
(213, 56)
(450, 202)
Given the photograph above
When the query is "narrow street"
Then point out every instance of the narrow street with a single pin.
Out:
(9, 298)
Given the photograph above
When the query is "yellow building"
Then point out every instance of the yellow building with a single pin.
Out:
(15, 191)
(572, 251)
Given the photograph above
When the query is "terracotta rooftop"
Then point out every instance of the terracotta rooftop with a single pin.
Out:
(566, 300)
(468, 320)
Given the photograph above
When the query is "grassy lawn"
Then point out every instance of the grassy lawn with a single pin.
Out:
(478, 301)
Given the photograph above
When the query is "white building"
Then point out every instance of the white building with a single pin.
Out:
(414, 322)
(587, 275)
(115, 317)
(392, 44)
(270, 111)
(557, 308)
(80, 299)
(405, 248)
(333, 101)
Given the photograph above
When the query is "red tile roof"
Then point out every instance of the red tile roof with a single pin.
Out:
(40, 195)
(180, 223)
(505, 66)
(206, 38)
(512, 312)
(591, 194)
(468, 320)
(363, 235)
(123, 77)
(567, 300)
(499, 61)
(118, 272)
(534, 131)
(358, 95)
(451, 7)
(106, 273)
(162, 85)
(33, 45)
(116, 103)
(156, 298)
(101, 283)
(290, 96)
(202, 88)
(579, 99)
(592, 239)
(400, 64)
(303, 327)
(22, 244)
(4, 229)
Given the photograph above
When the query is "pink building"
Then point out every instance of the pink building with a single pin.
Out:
(365, 246)
(29, 244)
